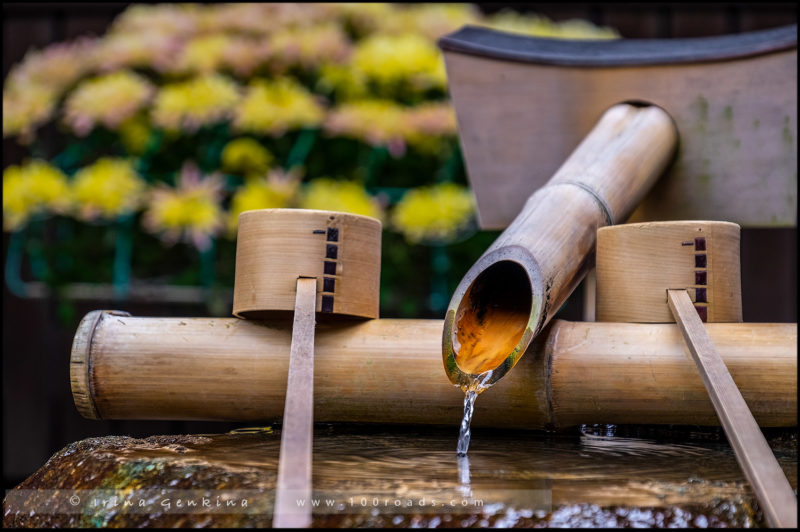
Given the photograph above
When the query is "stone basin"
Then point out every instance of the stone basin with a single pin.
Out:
(403, 476)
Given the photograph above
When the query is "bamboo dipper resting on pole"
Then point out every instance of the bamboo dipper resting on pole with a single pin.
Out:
(305, 261)
(688, 272)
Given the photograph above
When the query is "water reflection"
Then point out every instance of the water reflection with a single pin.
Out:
(463, 476)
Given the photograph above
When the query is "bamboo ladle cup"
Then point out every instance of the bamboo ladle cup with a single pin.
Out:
(308, 262)
(688, 272)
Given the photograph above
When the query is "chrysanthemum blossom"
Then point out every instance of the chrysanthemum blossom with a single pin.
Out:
(55, 67)
(540, 26)
(334, 195)
(407, 58)
(434, 214)
(24, 111)
(375, 122)
(246, 156)
(180, 20)
(309, 47)
(203, 54)
(137, 50)
(33, 188)
(273, 191)
(108, 188)
(106, 100)
(190, 211)
(189, 105)
(274, 107)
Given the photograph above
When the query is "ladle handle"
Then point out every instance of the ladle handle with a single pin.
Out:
(774, 494)
(294, 466)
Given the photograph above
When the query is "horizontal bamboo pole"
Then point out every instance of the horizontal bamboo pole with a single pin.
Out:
(391, 371)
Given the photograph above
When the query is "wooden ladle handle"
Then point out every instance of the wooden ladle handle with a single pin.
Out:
(294, 466)
(774, 494)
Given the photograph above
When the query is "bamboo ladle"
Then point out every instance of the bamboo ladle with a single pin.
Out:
(688, 272)
(307, 262)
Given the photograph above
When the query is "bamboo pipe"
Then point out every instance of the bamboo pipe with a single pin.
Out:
(385, 370)
(512, 291)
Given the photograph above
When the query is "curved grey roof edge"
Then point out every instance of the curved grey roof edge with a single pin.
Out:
(481, 41)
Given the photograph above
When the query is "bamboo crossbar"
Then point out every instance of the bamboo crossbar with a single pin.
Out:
(390, 371)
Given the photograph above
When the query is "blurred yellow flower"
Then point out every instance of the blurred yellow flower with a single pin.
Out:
(179, 20)
(327, 194)
(32, 188)
(246, 156)
(274, 191)
(376, 122)
(428, 124)
(365, 18)
(108, 188)
(191, 104)
(392, 59)
(55, 68)
(34, 86)
(539, 26)
(106, 100)
(428, 20)
(137, 50)
(277, 106)
(243, 55)
(346, 82)
(261, 18)
(436, 20)
(240, 18)
(385, 123)
(436, 213)
(25, 110)
(135, 133)
(309, 47)
(191, 210)
(203, 54)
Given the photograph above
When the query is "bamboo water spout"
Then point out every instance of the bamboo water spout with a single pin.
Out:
(513, 290)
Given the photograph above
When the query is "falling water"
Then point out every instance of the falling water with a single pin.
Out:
(464, 433)
(471, 392)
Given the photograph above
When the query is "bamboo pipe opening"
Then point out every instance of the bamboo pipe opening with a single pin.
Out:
(492, 317)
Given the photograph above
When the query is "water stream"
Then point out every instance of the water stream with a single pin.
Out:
(464, 432)
(476, 387)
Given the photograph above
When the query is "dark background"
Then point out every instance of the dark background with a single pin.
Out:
(39, 416)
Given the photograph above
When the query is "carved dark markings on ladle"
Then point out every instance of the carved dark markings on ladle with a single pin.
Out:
(701, 278)
(329, 266)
